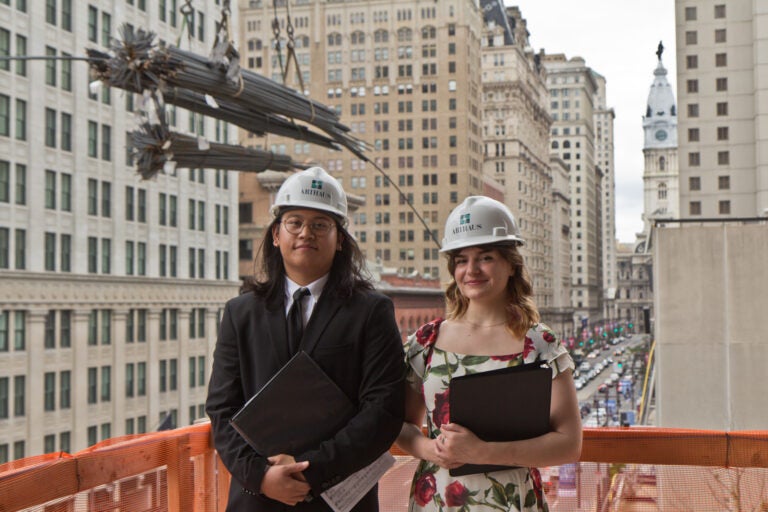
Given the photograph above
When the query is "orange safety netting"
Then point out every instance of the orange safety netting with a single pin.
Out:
(621, 469)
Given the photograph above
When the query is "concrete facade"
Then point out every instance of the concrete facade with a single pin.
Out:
(110, 286)
(709, 293)
(722, 86)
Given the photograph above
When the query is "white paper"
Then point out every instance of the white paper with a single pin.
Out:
(345, 495)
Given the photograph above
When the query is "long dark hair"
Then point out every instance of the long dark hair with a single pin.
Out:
(348, 270)
(521, 309)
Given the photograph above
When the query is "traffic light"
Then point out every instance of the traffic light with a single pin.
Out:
(581, 343)
(619, 364)
(591, 340)
(615, 329)
(631, 325)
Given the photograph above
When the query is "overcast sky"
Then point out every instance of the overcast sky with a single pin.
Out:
(618, 39)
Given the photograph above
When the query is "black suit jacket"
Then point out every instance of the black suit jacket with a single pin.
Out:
(356, 341)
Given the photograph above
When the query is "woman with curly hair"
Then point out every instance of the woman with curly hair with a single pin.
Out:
(492, 322)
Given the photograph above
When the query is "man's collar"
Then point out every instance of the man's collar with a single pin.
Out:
(315, 287)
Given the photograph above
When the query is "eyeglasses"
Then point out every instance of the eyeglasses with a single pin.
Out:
(318, 227)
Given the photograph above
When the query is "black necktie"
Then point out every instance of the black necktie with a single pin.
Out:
(296, 320)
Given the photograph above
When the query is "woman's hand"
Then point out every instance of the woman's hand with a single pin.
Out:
(457, 445)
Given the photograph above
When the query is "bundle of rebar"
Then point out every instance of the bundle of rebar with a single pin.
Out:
(259, 123)
(154, 147)
(137, 64)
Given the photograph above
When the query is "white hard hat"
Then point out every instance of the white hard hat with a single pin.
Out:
(480, 220)
(312, 188)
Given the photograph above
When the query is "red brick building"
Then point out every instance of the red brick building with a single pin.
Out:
(417, 300)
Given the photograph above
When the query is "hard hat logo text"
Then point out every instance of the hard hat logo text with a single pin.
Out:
(465, 228)
(316, 190)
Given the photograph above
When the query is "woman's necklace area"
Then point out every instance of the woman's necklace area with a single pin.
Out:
(483, 326)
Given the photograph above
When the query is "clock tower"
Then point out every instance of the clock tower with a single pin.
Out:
(660, 174)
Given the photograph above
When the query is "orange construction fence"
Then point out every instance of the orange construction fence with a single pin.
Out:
(177, 470)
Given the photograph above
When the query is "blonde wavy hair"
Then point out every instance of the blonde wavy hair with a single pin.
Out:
(522, 313)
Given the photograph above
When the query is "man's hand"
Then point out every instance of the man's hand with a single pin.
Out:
(283, 480)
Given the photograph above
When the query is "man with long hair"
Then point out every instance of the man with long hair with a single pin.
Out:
(310, 294)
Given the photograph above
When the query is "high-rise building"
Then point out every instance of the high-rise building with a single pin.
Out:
(516, 140)
(573, 90)
(110, 286)
(722, 78)
(603, 125)
(405, 77)
(516, 145)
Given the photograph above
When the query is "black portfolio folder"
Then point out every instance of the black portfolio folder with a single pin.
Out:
(299, 407)
(507, 404)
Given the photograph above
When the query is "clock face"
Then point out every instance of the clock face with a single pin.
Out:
(660, 135)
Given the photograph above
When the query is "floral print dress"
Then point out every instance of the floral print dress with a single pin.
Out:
(430, 371)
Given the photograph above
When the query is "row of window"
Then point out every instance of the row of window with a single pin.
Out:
(196, 121)
(136, 425)
(15, 191)
(56, 15)
(20, 67)
(99, 327)
(723, 207)
(692, 36)
(722, 133)
(403, 34)
(406, 162)
(380, 54)
(135, 199)
(404, 217)
(691, 13)
(57, 388)
(382, 71)
(13, 254)
(723, 183)
(6, 116)
(723, 158)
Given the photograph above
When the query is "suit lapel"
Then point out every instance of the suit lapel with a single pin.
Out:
(322, 315)
(277, 331)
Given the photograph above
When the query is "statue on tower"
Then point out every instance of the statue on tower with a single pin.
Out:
(660, 50)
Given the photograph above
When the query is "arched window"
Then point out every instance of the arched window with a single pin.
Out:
(428, 32)
(404, 34)
(662, 163)
(357, 37)
(381, 36)
(662, 190)
(302, 42)
(555, 145)
(566, 144)
(334, 39)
